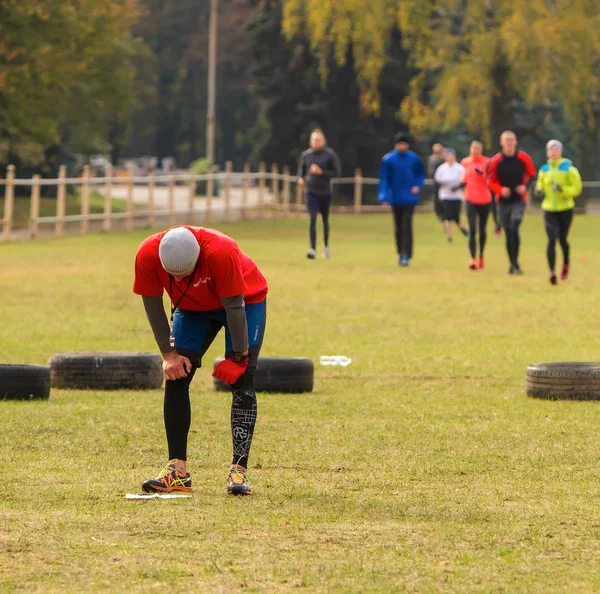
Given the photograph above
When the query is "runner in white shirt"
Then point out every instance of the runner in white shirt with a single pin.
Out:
(448, 176)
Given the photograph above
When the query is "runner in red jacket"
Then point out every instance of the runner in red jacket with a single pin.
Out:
(511, 174)
(212, 284)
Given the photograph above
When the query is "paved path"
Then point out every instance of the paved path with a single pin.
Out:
(181, 199)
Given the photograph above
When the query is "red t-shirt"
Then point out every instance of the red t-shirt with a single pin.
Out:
(223, 271)
(475, 177)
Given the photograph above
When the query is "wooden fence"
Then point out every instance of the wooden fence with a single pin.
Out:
(230, 196)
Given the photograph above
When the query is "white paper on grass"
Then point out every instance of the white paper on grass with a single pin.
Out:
(155, 496)
(335, 360)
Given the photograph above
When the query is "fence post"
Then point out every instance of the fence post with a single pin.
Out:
(130, 188)
(262, 173)
(9, 202)
(286, 189)
(191, 199)
(171, 200)
(151, 220)
(275, 185)
(299, 197)
(245, 189)
(358, 191)
(227, 189)
(60, 201)
(34, 213)
(85, 200)
(210, 187)
(108, 200)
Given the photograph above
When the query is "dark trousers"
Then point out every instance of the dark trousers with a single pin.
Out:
(557, 229)
(403, 225)
(511, 217)
(317, 204)
(477, 213)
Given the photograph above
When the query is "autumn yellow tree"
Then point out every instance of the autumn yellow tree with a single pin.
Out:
(473, 58)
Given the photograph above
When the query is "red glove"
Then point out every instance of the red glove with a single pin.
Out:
(230, 370)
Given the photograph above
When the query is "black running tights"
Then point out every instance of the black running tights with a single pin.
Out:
(557, 229)
(475, 213)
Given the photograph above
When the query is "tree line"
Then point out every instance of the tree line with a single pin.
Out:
(128, 78)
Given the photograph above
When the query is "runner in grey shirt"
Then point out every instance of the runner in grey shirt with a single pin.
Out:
(316, 168)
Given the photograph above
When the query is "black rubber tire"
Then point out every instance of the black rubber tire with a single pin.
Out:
(281, 375)
(564, 381)
(24, 382)
(106, 371)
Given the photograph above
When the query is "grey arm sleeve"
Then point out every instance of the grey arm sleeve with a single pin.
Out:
(155, 312)
(235, 310)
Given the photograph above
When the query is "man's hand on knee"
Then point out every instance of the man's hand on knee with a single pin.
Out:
(176, 366)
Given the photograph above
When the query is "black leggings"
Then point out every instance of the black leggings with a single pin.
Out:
(557, 229)
(317, 204)
(476, 212)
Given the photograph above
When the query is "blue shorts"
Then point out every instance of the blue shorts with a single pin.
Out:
(195, 331)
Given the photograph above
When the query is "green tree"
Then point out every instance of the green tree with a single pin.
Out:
(171, 120)
(294, 98)
(66, 74)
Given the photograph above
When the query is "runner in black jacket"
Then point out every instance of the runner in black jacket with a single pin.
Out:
(511, 174)
(316, 168)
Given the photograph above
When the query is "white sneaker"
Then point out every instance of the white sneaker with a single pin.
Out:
(327, 252)
(312, 255)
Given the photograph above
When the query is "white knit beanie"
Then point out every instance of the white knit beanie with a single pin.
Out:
(554, 144)
(178, 251)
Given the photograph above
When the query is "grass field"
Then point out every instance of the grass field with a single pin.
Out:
(422, 467)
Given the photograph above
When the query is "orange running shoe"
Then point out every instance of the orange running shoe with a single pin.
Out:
(170, 479)
(237, 482)
(480, 263)
(473, 264)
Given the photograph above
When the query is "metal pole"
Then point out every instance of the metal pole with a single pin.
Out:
(212, 85)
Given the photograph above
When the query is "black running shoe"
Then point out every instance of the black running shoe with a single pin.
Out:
(553, 278)
(512, 270)
(518, 271)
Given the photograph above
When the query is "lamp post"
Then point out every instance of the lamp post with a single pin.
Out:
(212, 91)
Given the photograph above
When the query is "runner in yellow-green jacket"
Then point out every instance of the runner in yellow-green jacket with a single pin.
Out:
(560, 183)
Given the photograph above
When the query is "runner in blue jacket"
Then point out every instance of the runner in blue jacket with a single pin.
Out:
(401, 179)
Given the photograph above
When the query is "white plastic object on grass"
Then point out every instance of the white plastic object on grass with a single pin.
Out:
(335, 360)
(155, 496)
